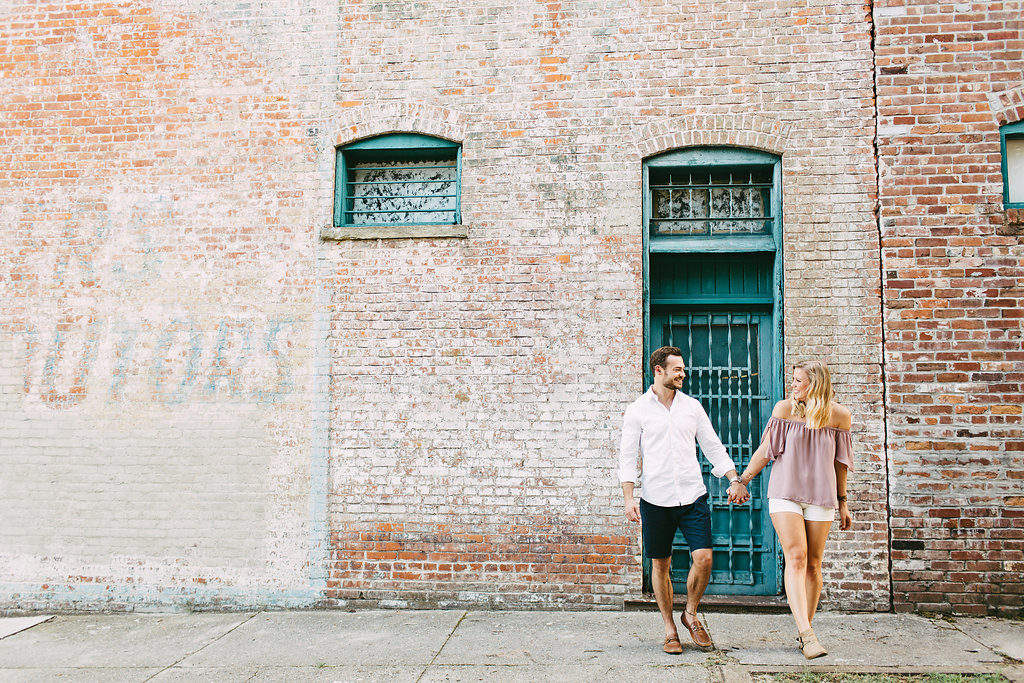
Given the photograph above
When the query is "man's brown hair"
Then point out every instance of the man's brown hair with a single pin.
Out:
(659, 356)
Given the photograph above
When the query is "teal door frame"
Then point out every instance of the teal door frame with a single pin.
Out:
(717, 156)
(767, 302)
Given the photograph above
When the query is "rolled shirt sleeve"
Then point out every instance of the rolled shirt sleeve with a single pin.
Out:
(629, 448)
(711, 445)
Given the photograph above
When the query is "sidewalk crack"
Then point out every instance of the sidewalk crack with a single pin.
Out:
(191, 654)
(1007, 659)
(440, 649)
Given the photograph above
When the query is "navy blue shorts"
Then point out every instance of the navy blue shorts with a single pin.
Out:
(660, 524)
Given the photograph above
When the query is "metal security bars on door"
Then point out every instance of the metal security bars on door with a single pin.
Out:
(721, 201)
(724, 372)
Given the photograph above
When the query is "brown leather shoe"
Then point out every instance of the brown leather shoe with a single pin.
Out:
(673, 646)
(697, 632)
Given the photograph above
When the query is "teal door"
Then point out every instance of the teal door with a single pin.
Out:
(713, 287)
(713, 308)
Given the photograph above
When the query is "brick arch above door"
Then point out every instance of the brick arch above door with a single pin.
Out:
(753, 131)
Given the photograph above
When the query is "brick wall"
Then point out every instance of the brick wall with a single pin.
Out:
(232, 411)
(478, 385)
(948, 75)
(156, 358)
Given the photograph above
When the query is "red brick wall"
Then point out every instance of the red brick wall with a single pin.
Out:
(948, 75)
(155, 314)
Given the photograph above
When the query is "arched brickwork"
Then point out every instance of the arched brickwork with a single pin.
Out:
(754, 131)
(364, 121)
(1008, 105)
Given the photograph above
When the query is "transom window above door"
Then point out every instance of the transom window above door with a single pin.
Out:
(698, 197)
(727, 200)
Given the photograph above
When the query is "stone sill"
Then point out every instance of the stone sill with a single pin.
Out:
(391, 232)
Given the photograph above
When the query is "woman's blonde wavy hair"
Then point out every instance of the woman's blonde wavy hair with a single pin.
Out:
(817, 409)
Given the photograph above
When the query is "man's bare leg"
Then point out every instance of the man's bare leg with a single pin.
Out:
(662, 579)
(697, 581)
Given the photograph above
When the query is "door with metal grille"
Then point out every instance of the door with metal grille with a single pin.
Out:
(713, 288)
(728, 365)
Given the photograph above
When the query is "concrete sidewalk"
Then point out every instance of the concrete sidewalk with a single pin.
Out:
(458, 645)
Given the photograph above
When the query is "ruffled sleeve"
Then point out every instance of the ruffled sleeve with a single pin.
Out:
(775, 433)
(844, 448)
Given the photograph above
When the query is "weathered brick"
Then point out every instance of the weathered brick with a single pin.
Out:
(932, 139)
(236, 413)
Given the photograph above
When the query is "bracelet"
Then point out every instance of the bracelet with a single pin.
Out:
(842, 499)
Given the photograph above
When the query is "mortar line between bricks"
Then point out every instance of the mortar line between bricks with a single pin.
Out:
(441, 649)
(191, 654)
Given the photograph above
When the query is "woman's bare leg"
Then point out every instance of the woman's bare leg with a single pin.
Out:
(817, 534)
(791, 530)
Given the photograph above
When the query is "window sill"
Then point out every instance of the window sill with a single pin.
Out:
(704, 244)
(391, 232)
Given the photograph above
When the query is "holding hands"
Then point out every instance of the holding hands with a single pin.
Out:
(737, 493)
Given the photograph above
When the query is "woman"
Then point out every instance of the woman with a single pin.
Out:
(808, 438)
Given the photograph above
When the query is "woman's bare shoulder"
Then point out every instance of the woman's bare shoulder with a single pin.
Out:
(783, 409)
(841, 418)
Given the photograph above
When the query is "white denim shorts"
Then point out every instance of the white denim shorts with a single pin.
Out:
(812, 513)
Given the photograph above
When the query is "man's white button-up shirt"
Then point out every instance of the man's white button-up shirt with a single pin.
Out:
(658, 449)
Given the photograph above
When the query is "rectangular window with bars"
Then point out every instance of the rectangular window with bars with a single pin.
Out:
(730, 200)
(400, 179)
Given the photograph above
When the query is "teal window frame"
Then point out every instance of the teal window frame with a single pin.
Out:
(1012, 131)
(390, 148)
(712, 157)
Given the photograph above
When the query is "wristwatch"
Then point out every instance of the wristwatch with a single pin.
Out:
(737, 480)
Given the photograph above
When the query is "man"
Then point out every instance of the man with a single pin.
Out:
(658, 451)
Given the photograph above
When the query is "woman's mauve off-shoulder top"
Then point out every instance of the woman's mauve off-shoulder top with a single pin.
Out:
(803, 468)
